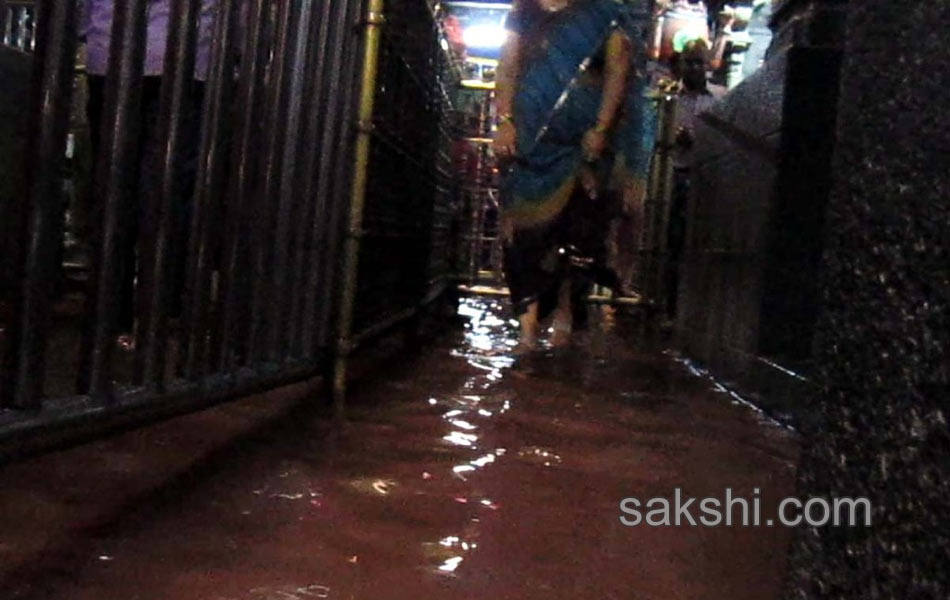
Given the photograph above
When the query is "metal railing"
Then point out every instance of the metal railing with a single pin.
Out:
(482, 243)
(483, 240)
(411, 198)
(653, 264)
(314, 221)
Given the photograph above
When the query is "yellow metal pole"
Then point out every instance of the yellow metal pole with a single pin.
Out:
(661, 198)
(667, 140)
(372, 26)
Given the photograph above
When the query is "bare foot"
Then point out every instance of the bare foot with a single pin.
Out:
(526, 345)
(528, 333)
(562, 333)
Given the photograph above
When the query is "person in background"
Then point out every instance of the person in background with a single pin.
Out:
(628, 224)
(96, 29)
(568, 139)
(695, 97)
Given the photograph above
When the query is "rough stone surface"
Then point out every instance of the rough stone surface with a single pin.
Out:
(880, 428)
(749, 296)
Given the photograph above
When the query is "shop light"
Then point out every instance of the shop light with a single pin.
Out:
(484, 36)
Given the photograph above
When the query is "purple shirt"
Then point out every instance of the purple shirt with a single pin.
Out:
(97, 27)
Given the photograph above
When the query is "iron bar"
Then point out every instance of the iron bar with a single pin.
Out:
(663, 204)
(116, 167)
(334, 143)
(311, 219)
(288, 210)
(178, 74)
(329, 237)
(342, 176)
(243, 174)
(24, 361)
(69, 421)
(208, 198)
(264, 219)
(361, 154)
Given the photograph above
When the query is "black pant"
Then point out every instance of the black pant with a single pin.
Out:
(134, 219)
(540, 258)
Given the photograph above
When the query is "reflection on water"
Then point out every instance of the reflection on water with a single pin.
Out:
(467, 477)
(460, 439)
(368, 485)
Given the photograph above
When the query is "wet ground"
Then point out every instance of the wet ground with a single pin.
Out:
(459, 475)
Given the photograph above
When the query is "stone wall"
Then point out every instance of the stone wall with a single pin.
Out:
(880, 427)
(749, 297)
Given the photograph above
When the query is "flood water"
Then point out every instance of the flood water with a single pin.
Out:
(460, 474)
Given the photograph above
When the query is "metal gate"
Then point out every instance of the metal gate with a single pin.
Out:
(653, 256)
(313, 221)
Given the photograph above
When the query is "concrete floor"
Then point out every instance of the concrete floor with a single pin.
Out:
(459, 475)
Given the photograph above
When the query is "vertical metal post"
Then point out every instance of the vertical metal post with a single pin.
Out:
(178, 74)
(266, 210)
(209, 192)
(481, 200)
(241, 188)
(334, 159)
(285, 238)
(372, 26)
(664, 201)
(116, 169)
(647, 249)
(278, 206)
(23, 365)
(311, 222)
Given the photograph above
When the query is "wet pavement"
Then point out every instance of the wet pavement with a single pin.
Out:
(459, 474)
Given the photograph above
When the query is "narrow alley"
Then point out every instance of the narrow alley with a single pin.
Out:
(474, 300)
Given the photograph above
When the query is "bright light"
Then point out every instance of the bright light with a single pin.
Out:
(450, 564)
(484, 36)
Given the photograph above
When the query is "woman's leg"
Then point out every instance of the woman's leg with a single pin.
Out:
(528, 329)
(581, 233)
(528, 281)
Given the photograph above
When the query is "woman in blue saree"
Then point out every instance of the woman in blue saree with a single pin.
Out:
(570, 141)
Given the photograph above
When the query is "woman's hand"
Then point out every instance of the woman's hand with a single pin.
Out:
(593, 144)
(504, 142)
(684, 138)
(588, 181)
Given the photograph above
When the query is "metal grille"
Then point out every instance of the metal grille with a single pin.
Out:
(483, 250)
(265, 221)
(652, 252)
(411, 197)
(18, 24)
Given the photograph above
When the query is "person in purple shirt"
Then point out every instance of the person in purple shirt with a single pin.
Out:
(96, 30)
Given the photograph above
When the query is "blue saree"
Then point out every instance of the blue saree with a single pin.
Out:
(554, 106)
(557, 100)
